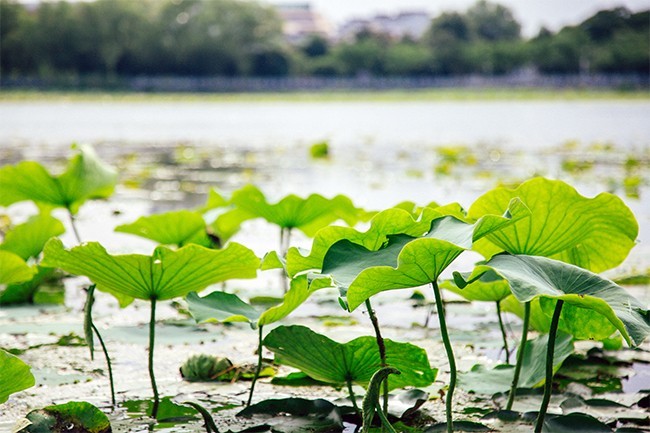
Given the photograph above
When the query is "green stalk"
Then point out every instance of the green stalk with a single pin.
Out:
(108, 363)
(450, 355)
(152, 333)
(74, 226)
(381, 346)
(520, 357)
(259, 367)
(550, 349)
(503, 333)
(353, 398)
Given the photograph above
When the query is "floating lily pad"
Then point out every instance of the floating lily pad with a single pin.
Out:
(72, 417)
(306, 415)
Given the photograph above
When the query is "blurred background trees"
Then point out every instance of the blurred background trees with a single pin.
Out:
(109, 38)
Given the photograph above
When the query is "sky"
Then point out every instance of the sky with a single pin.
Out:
(532, 14)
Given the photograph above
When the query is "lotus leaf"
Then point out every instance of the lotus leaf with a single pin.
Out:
(15, 375)
(78, 416)
(178, 228)
(27, 239)
(13, 269)
(164, 275)
(407, 261)
(356, 361)
(531, 277)
(593, 233)
(86, 177)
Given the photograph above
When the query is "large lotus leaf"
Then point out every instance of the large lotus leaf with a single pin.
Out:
(178, 228)
(27, 239)
(15, 375)
(74, 416)
(226, 307)
(593, 233)
(533, 368)
(388, 222)
(164, 275)
(307, 215)
(305, 416)
(328, 361)
(531, 277)
(490, 287)
(406, 261)
(13, 269)
(85, 177)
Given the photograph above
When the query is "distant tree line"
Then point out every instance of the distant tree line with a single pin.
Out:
(242, 39)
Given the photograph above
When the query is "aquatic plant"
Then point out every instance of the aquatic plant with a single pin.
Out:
(166, 274)
(15, 375)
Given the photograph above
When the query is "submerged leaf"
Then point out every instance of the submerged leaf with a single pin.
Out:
(164, 275)
(15, 375)
(593, 233)
(306, 415)
(574, 423)
(75, 416)
(27, 240)
(86, 177)
(533, 277)
(357, 360)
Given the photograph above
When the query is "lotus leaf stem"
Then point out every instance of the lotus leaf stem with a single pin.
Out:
(353, 398)
(520, 357)
(450, 356)
(108, 363)
(381, 345)
(152, 333)
(258, 369)
(550, 349)
(74, 226)
(503, 333)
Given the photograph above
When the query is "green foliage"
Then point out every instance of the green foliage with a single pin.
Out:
(585, 294)
(406, 261)
(13, 269)
(164, 275)
(594, 233)
(305, 214)
(15, 375)
(28, 239)
(205, 368)
(305, 415)
(355, 361)
(86, 177)
(82, 416)
(319, 150)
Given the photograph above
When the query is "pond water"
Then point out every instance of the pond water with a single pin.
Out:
(171, 153)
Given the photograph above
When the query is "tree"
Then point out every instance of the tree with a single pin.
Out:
(492, 22)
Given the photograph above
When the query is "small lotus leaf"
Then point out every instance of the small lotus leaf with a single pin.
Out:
(307, 215)
(27, 239)
(593, 233)
(13, 269)
(531, 277)
(164, 275)
(306, 415)
(178, 228)
(574, 423)
(86, 177)
(328, 361)
(15, 375)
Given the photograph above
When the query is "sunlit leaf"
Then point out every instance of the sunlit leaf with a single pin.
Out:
(164, 275)
(15, 375)
(328, 361)
(490, 287)
(388, 222)
(178, 228)
(482, 380)
(44, 280)
(593, 233)
(307, 215)
(27, 239)
(86, 177)
(532, 277)
(13, 269)
(406, 261)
